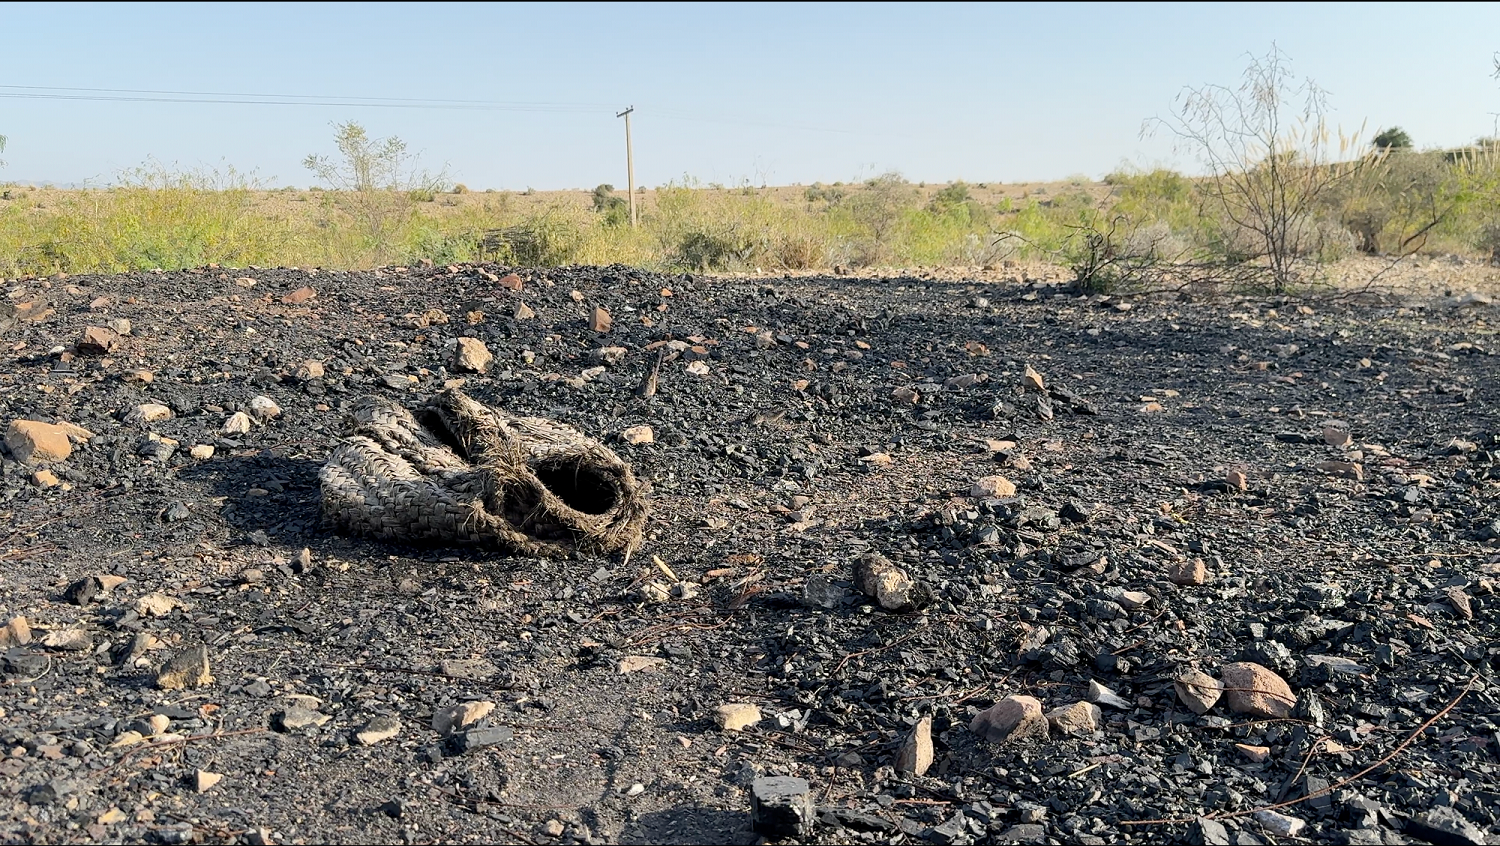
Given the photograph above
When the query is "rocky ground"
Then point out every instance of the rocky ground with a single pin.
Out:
(964, 561)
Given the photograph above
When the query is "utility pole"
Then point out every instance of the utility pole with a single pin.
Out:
(629, 165)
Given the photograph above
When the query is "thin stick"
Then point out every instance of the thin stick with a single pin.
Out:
(1411, 738)
(182, 740)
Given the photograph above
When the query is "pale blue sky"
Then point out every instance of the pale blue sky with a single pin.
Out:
(724, 93)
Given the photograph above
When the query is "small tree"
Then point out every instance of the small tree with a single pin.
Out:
(377, 181)
(1391, 139)
(1270, 161)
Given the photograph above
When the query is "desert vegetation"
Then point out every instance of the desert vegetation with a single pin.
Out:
(1276, 196)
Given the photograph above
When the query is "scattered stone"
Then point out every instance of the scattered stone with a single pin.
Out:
(45, 479)
(1078, 718)
(68, 640)
(97, 340)
(1033, 380)
(264, 408)
(186, 669)
(1102, 695)
(202, 452)
(1206, 832)
(1344, 469)
(636, 663)
(737, 716)
(15, 632)
(1197, 690)
(148, 413)
(298, 717)
(1255, 754)
(377, 729)
(1444, 825)
(599, 319)
(480, 737)
(33, 442)
(237, 424)
(1250, 688)
(309, 370)
(992, 487)
(1462, 605)
(1190, 571)
(458, 717)
(889, 585)
(905, 396)
(524, 312)
(1336, 437)
(820, 591)
(155, 605)
(1013, 718)
(511, 282)
(781, 807)
(638, 435)
(204, 781)
(84, 590)
(915, 754)
(472, 356)
(299, 296)
(1280, 824)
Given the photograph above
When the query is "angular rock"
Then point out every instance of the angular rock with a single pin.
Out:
(1280, 824)
(299, 296)
(1255, 754)
(1102, 695)
(736, 716)
(905, 396)
(1336, 437)
(1237, 480)
(1250, 688)
(45, 479)
(264, 408)
(992, 487)
(523, 312)
(915, 754)
(458, 717)
(1013, 718)
(298, 717)
(479, 737)
(1197, 690)
(1444, 825)
(638, 435)
(149, 412)
(379, 728)
(309, 370)
(889, 585)
(599, 319)
(781, 807)
(68, 640)
(97, 340)
(204, 781)
(637, 663)
(1078, 718)
(1188, 572)
(1345, 469)
(1207, 832)
(237, 424)
(186, 669)
(202, 452)
(1462, 605)
(15, 632)
(33, 442)
(1033, 380)
(470, 355)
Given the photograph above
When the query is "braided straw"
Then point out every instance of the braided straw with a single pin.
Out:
(459, 472)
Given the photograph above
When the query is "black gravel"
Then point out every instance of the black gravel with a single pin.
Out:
(771, 473)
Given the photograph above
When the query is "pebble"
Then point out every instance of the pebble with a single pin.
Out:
(15, 632)
(1102, 695)
(1198, 690)
(1280, 824)
(599, 319)
(97, 340)
(889, 585)
(1256, 754)
(915, 754)
(298, 717)
(781, 807)
(45, 479)
(461, 716)
(1033, 380)
(33, 442)
(378, 728)
(992, 487)
(202, 452)
(1250, 688)
(149, 412)
(237, 424)
(638, 435)
(1012, 718)
(204, 781)
(1188, 572)
(736, 716)
(1445, 825)
(68, 640)
(264, 408)
(470, 355)
(1078, 718)
(637, 663)
(186, 669)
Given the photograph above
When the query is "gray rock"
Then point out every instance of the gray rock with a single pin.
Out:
(1102, 695)
(1206, 832)
(1444, 826)
(1023, 833)
(819, 591)
(482, 736)
(781, 807)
